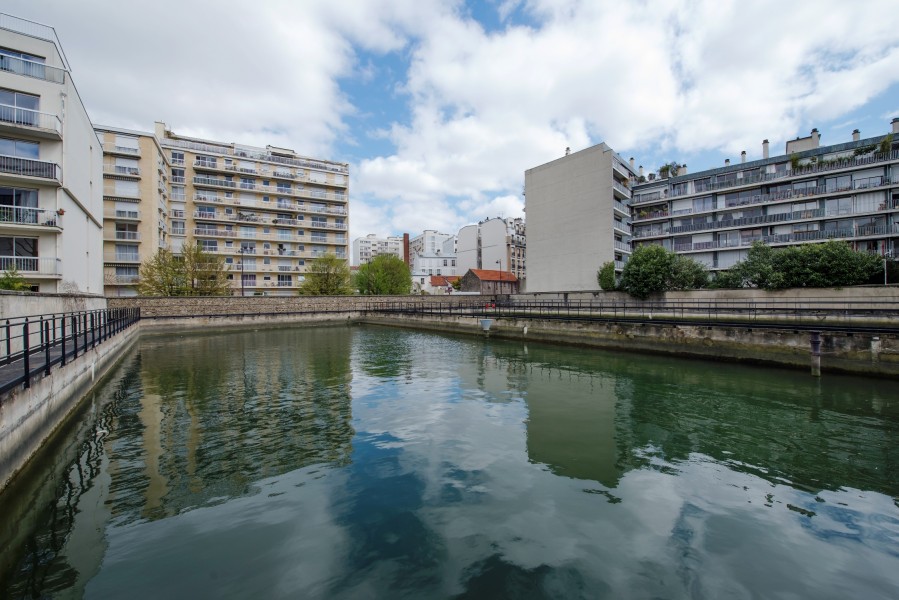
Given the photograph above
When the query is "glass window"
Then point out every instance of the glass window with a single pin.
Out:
(19, 148)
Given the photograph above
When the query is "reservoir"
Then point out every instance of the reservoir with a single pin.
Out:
(369, 462)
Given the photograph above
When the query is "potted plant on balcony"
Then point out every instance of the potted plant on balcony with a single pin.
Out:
(61, 212)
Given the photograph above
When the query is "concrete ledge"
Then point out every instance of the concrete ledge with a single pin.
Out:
(28, 417)
(842, 353)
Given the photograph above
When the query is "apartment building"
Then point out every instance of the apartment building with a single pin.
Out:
(432, 253)
(495, 243)
(51, 204)
(370, 246)
(136, 211)
(847, 191)
(578, 217)
(266, 210)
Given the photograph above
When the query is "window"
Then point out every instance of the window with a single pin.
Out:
(704, 203)
(209, 245)
(836, 184)
(18, 107)
(837, 206)
(177, 157)
(20, 148)
(17, 205)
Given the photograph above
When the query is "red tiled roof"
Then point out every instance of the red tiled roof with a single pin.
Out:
(488, 275)
(443, 280)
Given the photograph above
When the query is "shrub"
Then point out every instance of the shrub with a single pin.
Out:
(606, 277)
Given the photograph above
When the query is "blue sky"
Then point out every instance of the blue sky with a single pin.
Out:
(439, 106)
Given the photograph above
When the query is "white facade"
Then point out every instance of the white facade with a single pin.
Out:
(370, 246)
(51, 182)
(432, 242)
(432, 253)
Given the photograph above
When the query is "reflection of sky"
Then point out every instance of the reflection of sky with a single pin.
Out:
(455, 486)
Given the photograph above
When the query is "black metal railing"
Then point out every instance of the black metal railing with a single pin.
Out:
(800, 314)
(31, 346)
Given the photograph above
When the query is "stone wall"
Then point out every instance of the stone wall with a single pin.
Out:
(26, 304)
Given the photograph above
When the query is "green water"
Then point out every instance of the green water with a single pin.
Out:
(359, 462)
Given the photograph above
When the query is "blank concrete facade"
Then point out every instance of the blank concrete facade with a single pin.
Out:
(492, 244)
(577, 219)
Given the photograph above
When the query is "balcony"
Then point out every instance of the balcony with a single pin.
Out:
(122, 215)
(30, 265)
(28, 68)
(621, 189)
(113, 279)
(23, 120)
(623, 227)
(623, 246)
(20, 215)
(205, 164)
(110, 191)
(122, 236)
(212, 198)
(203, 232)
(111, 148)
(120, 170)
(621, 207)
(214, 182)
(26, 167)
(178, 231)
(121, 257)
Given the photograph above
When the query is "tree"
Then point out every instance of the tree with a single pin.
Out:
(385, 274)
(327, 276)
(13, 281)
(653, 269)
(758, 269)
(606, 277)
(192, 273)
(886, 144)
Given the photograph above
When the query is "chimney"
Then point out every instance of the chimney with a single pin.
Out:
(640, 171)
(765, 149)
(743, 156)
(632, 163)
(856, 135)
(815, 137)
(567, 150)
(406, 249)
(895, 123)
(682, 170)
(726, 162)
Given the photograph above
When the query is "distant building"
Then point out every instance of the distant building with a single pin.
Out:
(577, 219)
(51, 219)
(486, 281)
(493, 244)
(433, 253)
(439, 285)
(370, 246)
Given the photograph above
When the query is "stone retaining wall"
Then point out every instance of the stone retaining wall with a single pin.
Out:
(26, 304)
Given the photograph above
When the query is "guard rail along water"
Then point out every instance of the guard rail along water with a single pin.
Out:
(31, 346)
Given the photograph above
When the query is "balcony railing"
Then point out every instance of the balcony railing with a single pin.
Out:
(128, 215)
(131, 257)
(27, 167)
(623, 246)
(21, 215)
(30, 265)
(30, 118)
(621, 188)
(121, 170)
(216, 233)
(796, 236)
(121, 279)
(214, 181)
(622, 227)
(130, 236)
(114, 149)
(178, 231)
(30, 68)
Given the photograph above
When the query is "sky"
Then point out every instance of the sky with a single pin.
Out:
(439, 107)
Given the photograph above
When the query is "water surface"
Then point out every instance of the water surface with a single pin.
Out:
(357, 462)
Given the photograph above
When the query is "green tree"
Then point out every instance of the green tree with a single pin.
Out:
(606, 277)
(12, 280)
(327, 276)
(384, 275)
(831, 264)
(653, 269)
(758, 269)
(886, 144)
(192, 273)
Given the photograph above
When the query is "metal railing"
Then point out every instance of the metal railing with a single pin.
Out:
(121, 170)
(115, 149)
(30, 168)
(30, 118)
(23, 215)
(30, 264)
(30, 68)
(31, 346)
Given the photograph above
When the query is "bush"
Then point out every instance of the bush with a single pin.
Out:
(384, 275)
(606, 277)
(653, 270)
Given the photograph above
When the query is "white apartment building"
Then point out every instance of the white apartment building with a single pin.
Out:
(433, 253)
(493, 244)
(51, 205)
(370, 246)
(578, 218)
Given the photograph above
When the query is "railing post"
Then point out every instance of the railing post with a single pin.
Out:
(62, 337)
(25, 351)
(93, 331)
(84, 350)
(74, 336)
(47, 348)
(8, 340)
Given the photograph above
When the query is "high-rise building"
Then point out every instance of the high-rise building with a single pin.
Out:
(370, 246)
(266, 210)
(811, 193)
(493, 244)
(51, 204)
(577, 219)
